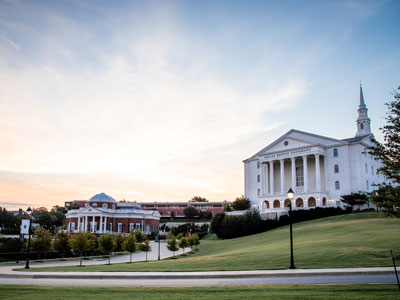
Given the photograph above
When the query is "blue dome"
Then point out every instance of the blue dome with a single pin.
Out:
(102, 198)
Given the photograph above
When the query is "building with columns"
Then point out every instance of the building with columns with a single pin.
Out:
(319, 169)
(103, 214)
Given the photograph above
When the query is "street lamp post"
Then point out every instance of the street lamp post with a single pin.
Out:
(29, 210)
(290, 195)
(159, 241)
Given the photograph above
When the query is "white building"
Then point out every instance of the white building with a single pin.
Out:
(319, 169)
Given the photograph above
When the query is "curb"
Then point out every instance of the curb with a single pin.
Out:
(195, 276)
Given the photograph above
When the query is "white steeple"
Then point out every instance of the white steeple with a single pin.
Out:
(363, 122)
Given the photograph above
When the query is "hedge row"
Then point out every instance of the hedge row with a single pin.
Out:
(228, 227)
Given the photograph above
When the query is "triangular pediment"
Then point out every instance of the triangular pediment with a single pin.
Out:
(296, 139)
(90, 209)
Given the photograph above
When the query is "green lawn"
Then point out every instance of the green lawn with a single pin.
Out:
(296, 292)
(354, 240)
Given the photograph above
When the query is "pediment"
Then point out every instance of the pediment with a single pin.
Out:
(90, 209)
(285, 144)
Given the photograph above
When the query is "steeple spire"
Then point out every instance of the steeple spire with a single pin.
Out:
(363, 122)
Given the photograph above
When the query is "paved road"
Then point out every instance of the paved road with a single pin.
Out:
(330, 279)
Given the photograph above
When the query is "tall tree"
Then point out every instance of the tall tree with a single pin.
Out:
(61, 243)
(80, 243)
(198, 199)
(241, 203)
(172, 244)
(130, 245)
(145, 247)
(388, 153)
(184, 243)
(352, 199)
(41, 241)
(190, 212)
(119, 240)
(107, 245)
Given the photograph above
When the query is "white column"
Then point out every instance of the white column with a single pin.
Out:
(317, 173)
(92, 224)
(101, 224)
(86, 223)
(105, 224)
(293, 173)
(305, 170)
(282, 162)
(79, 223)
(271, 177)
(262, 179)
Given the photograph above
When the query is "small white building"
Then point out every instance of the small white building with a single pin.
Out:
(319, 169)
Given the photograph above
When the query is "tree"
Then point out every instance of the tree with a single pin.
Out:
(9, 222)
(241, 203)
(80, 243)
(41, 241)
(107, 245)
(388, 153)
(387, 196)
(198, 199)
(352, 199)
(119, 240)
(216, 223)
(183, 243)
(130, 245)
(190, 212)
(140, 236)
(172, 245)
(194, 240)
(145, 247)
(61, 243)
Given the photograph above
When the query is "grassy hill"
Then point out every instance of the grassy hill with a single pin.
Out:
(353, 240)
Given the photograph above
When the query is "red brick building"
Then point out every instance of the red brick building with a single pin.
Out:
(103, 214)
(166, 208)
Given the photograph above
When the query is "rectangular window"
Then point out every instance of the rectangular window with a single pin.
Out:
(147, 229)
(138, 226)
(366, 168)
(258, 192)
(299, 176)
(258, 178)
(119, 227)
(131, 227)
(73, 226)
(372, 170)
(258, 165)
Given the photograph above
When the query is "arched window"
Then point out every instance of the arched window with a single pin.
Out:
(299, 202)
(336, 167)
(258, 178)
(277, 204)
(324, 201)
(258, 192)
(335, 152)
(337, 185)
(361, 125)
(311, 202)
(258, 164)
(287, 203)
(265, 204)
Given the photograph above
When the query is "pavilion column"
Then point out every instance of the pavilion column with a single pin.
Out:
(86, 223)
(105, 224)
(271, 177)
(305, 170)
(282, 162)
(262, 179)
(317, 173)
(101, 224)
(293, 160)
(92, 224)
(79, 223)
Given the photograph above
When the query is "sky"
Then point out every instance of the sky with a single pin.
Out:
(163, 100)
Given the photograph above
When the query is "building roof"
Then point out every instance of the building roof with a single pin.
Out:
(102, 197)
(355, 139)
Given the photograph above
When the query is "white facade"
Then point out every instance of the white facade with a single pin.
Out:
(318, 169)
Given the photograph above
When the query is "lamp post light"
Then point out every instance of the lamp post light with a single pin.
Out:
(290, 195)
(29, 210)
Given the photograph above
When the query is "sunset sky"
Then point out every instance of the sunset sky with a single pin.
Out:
(162, 100)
